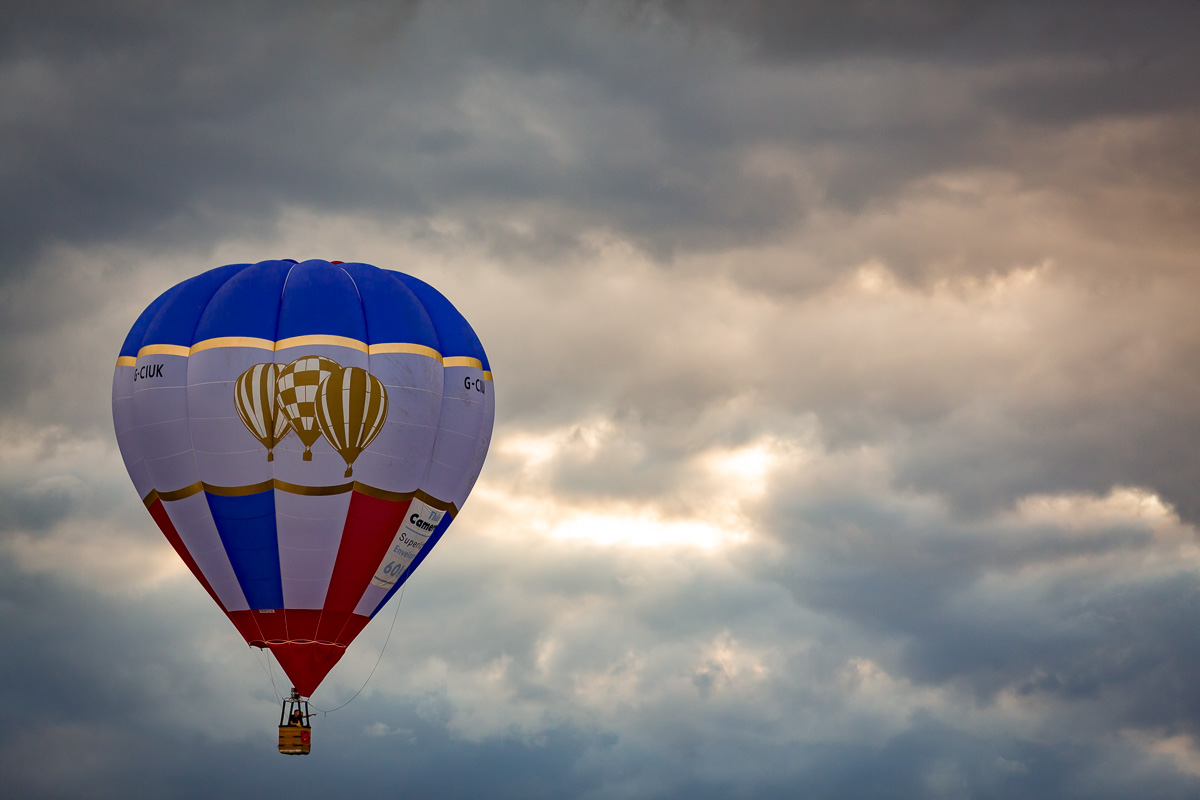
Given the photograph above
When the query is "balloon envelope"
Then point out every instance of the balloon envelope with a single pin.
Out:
(298, 555)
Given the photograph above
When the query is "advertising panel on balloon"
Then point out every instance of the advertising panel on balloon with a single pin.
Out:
(303, 434)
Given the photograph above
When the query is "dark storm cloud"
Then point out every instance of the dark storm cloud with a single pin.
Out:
(1011, 77)
(182, 114)
(173, 121)
(1128, 648)
(955, 31)
(93, 709)
(934, 760)
(123, 117)
(1034, 610)
(821, 29)
(1070, 448)
(144, 708)
(37, 511)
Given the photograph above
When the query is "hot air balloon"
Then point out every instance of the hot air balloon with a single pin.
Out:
(302, 540)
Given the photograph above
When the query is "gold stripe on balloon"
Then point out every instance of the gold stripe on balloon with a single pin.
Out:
(404, 348)
(313, 491)
(233, 341)
(180, 494)
(164, 350)
(434, 502)
(321, 339)
(239, 491)
(307, 491)
(384, 494)
(379, 348)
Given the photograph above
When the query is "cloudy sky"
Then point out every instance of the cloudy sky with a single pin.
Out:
(846, 362)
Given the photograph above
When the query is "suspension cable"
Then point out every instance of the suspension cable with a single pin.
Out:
(270, 674)
(395, 616)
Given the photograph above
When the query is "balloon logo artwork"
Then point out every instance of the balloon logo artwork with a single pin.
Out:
(372, 398)
(317, 397)
(257, 404)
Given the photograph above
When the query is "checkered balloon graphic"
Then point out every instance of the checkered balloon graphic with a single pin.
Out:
(298, 385)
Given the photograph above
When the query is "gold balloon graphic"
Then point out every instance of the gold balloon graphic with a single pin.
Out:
(257, 400)
(352, 406)
(298, 384)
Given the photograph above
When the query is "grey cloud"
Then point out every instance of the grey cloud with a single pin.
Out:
(22, 509)
(135, 680)
(142, 119)
(125, 685)
(935, 761)
(913, 563)
(946, 143)
(947, 31)
(963, 600)
(990, 466)
(816, 29)
(1078, 389)
(186, 122)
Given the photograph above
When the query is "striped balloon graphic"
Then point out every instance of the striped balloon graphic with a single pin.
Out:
(256, 398)
(298, 384)
(351, 408)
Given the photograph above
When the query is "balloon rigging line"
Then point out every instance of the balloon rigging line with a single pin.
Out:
(264, 669)
(270, 674)
(383, 649)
